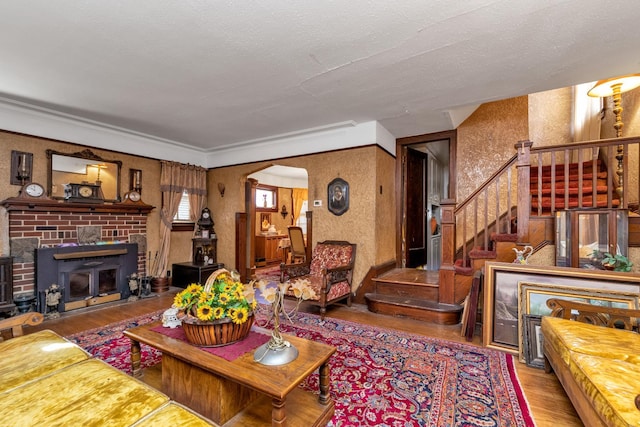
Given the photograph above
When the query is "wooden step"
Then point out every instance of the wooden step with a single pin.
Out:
(429, 311)
(416, 290)
(408, 283)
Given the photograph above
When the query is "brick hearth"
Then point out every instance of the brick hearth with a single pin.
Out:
(53, 224)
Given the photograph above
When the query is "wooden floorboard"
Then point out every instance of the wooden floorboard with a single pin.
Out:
(550, 405)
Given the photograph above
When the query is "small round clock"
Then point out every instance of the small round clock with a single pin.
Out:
(132, 196)
(32, 189)
(85, 191)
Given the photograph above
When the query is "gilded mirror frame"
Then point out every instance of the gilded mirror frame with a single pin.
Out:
(109, 170)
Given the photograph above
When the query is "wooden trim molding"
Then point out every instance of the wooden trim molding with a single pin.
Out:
(36, 205)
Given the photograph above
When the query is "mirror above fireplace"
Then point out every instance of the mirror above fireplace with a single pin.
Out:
(84, 167)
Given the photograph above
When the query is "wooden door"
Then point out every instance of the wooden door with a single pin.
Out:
(416, 187)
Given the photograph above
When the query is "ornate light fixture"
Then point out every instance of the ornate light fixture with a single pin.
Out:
(615, 87)
(284, 211)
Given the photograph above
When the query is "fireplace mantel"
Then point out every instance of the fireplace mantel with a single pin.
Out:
(37, 205)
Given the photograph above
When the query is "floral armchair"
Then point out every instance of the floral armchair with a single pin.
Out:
(330, 273)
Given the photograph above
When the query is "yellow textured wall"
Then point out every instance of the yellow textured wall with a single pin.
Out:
(385, 238)
(38, 146)
(549, 117)
(486, 141)
(357, 225)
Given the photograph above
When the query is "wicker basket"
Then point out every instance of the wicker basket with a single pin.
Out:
(215, 333)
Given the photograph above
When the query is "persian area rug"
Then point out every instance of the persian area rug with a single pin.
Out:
(382, 377)
(109, 344)
(269, 273)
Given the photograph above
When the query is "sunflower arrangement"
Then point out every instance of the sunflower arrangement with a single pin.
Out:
(223, 296)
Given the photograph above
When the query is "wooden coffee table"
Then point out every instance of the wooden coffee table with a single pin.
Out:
(241, 392)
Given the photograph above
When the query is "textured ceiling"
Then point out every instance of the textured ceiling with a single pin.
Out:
(213, 74)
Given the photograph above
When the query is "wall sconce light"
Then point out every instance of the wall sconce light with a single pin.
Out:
(221, 189)
(135, 180)
(615, 87)
(21, 167)
(284, 212)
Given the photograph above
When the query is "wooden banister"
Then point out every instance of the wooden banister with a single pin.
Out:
(488, 209)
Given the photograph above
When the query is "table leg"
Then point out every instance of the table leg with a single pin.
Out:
(278, 414)
(135, 359)
(324, 373)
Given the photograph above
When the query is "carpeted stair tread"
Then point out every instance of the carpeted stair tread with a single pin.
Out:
(573, 191)
(587, 201)
(460, 268)
(560, 167)
(478, 253)
(572, 177)
(504, 237)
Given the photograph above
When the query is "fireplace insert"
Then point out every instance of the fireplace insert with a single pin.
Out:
(86, 275)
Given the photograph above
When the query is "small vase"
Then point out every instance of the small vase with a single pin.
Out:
(215, 333)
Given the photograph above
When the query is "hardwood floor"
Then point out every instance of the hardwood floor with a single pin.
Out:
(548, 401)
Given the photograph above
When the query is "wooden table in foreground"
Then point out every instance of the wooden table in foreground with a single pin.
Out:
(241, 392)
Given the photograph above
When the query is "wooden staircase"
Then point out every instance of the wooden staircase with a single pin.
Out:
(514, 208)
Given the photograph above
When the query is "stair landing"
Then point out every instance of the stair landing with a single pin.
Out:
(411, 293)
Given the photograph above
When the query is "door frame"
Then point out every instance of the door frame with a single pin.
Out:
(402, 145)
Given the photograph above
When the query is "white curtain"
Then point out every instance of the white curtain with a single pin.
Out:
(586, 114)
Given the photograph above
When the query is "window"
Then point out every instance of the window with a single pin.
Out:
(184, 210)
(301, 221)
(266, 198)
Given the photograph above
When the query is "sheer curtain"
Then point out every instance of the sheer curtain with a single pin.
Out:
(175, 178)
(299, 196)
(586, 114)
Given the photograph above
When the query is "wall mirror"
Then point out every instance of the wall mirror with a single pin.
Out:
(84, 167)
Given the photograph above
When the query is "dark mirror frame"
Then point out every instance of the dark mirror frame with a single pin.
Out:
(86, 155)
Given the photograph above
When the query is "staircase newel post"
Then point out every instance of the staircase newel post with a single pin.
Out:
(446, 290)
(523, 168)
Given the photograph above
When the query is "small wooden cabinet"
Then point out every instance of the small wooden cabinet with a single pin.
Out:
(6, 285)
(186, 273)
(267, 248)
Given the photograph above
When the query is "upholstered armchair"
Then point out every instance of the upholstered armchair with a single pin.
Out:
(330, 272)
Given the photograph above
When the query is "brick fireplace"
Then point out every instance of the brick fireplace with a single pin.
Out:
(37, 224)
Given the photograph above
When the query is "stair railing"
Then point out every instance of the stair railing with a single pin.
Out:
(490, 208)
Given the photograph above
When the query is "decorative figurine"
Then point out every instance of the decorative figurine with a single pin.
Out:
(52, 300)
(522, 256)
(170, 318)
(133, 287)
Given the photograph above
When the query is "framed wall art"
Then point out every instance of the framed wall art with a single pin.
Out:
(338, 196)
(501, 323)
(533, 352)
(265, 221)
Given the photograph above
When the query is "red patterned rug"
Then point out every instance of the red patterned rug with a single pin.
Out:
(381, 377)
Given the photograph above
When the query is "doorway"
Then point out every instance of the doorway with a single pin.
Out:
(426, 174)
(276, 206)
